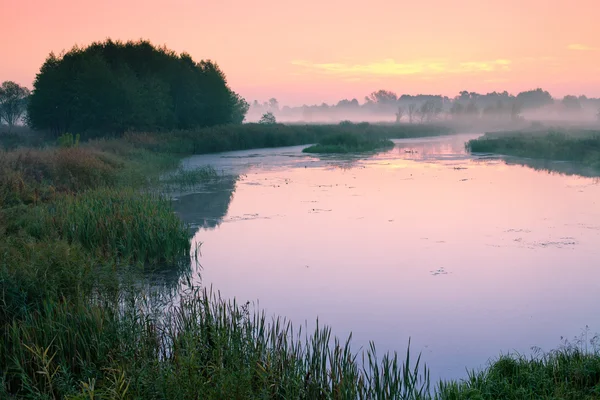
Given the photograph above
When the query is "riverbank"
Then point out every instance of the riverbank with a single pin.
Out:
(581, 146)
(76, 322)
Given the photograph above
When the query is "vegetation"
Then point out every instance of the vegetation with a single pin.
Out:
(74, 325)
(581, 146)
(349, 143)
(13, 101)
(112, 87)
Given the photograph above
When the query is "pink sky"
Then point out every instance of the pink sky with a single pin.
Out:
(324, 50)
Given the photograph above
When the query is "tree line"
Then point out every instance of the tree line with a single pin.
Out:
(426, 108)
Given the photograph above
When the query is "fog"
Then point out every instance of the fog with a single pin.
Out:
(470, 110)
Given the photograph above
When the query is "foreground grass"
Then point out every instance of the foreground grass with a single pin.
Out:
(582, 146)
(349, 143)
(78, 227)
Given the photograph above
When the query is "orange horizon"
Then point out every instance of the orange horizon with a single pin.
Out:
(318, 51)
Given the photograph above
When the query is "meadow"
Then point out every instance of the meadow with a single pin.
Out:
(82, 224)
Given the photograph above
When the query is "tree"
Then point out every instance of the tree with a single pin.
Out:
(457, 110)
(383, 97)
(571, 103)
(111, 87)
(412, 110)
(399, 114)
(13, 102)
(240, 108)
(472, 110)
(268, 119)
(273, 105)
(534, 99)
(515, 112)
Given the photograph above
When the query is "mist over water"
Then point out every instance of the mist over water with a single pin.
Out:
(467, 255)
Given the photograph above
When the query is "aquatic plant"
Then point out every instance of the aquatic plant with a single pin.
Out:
(349, 143)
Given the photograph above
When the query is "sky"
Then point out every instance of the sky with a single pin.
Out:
(314, 51)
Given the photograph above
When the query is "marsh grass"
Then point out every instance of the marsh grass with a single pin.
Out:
(582, 146)
(75, 323)
(342, 143)
(124, 224)
(202, 347)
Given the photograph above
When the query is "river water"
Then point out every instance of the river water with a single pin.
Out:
(470, 256)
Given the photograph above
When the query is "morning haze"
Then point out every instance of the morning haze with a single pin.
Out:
(315, 200)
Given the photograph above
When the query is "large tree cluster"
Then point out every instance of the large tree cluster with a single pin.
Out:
(111, 87)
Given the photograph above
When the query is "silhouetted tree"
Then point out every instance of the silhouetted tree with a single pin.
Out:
(571, 103)
(457, 110)
(515, 112)
(472, 111)
(534, 99)
(268, 119)
(111, 87)
(399, 114)
(13, 99)
(383, 97)
(240, 108)
(273, 105)
(412, 110)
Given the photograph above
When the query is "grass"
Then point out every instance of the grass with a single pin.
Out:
(349, 143)
(78, 322)
(581, 146)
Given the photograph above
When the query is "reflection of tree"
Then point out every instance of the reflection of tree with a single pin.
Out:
(207, 209)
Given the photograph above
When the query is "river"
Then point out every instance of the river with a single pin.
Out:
(470, 256)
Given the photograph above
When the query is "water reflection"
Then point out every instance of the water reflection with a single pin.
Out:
(470, 256)
(555, 167)
(206, 209)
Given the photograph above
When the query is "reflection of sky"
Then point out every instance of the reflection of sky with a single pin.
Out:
(356, 248)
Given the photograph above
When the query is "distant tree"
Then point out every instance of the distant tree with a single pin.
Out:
(534, 99)
(268, 119)
(13, 102)
(399, 114)
(571, 103)
(598, 115)
(472, 111)
(273, 105)
(347, 103)
(430, 110)
(515, 112)
(457, 110)
(411, 112)
(383, 97)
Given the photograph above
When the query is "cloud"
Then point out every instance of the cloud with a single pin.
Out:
(390, 67)
(581, 47)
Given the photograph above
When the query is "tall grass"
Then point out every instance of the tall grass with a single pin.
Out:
(203, 347)
(131, 226)
(577, 146)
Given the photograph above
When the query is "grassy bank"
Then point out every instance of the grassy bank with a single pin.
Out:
(79, 229)
(349, 143)
(582, 146)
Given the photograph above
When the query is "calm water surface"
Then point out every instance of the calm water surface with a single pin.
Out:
(469, 256)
